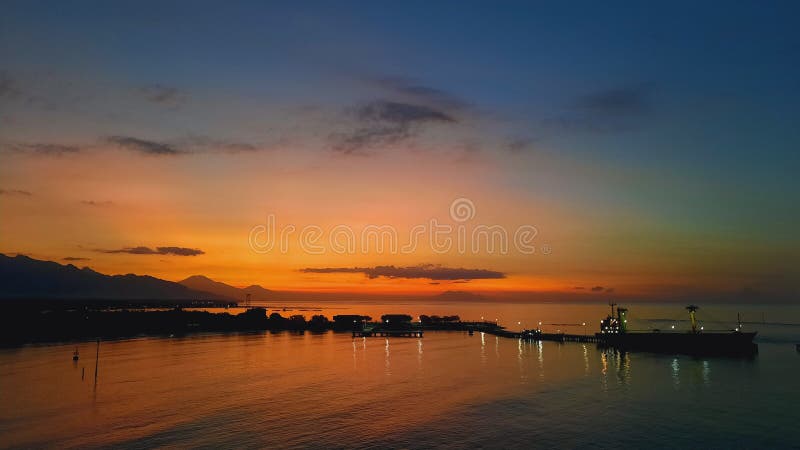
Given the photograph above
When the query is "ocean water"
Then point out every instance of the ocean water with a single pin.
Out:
(285, 390)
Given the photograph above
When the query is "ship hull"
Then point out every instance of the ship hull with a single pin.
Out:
(734, 343)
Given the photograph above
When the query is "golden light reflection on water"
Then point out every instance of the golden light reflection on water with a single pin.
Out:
(284, 389)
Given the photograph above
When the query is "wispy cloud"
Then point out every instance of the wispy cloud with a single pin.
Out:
(144, 146)
(384, 122)
(425, 271)
(41, 149)
(519, 145)
(75, 258)
(607, 290)
(200, 143)
(15, 192)
(608, 110)
(142, 250)
(164, 95)
(97, 203)
(627, 100)
(414, 90)
(8, 87)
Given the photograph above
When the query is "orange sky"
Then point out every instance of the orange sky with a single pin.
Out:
(84, 205)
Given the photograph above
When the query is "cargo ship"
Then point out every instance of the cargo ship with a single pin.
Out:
(697, 341)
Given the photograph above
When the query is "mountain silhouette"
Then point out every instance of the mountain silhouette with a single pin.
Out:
(203, 283)
(22, 277)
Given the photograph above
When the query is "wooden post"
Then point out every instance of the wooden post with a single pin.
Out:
(96, 360)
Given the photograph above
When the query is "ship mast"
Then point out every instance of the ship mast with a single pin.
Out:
(692, 309)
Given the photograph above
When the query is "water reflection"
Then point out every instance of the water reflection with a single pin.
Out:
(540, 358)
(585, 360)
(419, 353)
(178, 392)
(483, 348)
(676, 372)
(388, 365)
(616, 360)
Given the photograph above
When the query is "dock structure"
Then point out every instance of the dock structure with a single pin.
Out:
(537, 335)
(413, 333)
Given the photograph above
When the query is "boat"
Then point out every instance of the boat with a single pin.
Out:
(697, 341)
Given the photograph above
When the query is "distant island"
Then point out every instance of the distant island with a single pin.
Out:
(25, 278)
(45, 301)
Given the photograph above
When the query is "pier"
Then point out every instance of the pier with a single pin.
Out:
(533, 335)
(388, 333)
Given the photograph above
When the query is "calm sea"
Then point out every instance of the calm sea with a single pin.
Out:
(446, 389)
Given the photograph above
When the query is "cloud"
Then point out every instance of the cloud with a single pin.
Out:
(220, 145)
(413, 90)
(8, 87)
(41, 149)
(15, 89)
(519, 145)
(385, 122)
(595, 289)
(626, 100)
(15, 192)
(616, 109)
(97, 203)
(75, 258)
(141, 250)
(404, 114)
(145, 146)
(425, 271)
(164, 95)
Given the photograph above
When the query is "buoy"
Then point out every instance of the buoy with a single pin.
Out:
(75, 354)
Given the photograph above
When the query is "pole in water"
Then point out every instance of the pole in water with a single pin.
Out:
(96, 360)
(83, 372)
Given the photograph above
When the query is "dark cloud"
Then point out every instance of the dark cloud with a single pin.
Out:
(141, 250)
(12, 89)
(179, 251)
(595, 289)
(8, 87)
(426, 271)
(403, 114)
(42, 149)
(145, 146)
(15, 192)
(627, 100)
(75, 258)
(383, 122)
(413, 90)
(97, 203)
(164, 95)
(612, 110)
(220, 145)
(519, 145)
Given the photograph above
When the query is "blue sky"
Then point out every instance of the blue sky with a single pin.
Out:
(680, 112)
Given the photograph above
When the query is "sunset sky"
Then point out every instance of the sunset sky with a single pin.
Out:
(655, 151)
